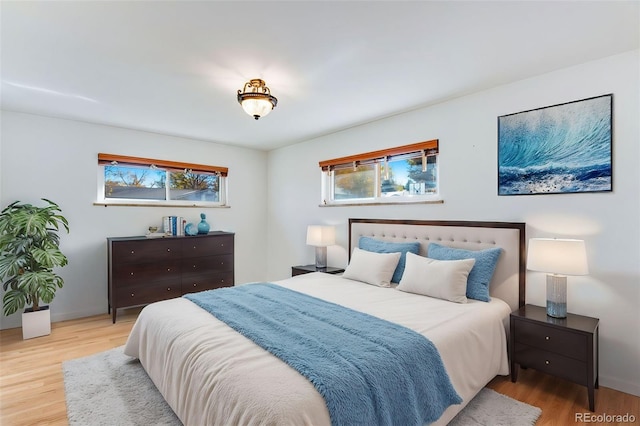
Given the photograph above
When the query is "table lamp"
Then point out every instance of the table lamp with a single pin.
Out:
(321, 236)
(559, 258)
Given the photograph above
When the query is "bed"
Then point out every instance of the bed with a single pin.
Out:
(210, 374)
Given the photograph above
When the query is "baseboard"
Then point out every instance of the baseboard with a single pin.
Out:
(620, 385)
(14, 321)
(64, 316)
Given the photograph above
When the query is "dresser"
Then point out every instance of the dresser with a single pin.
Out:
(566, 347)
(144, 270)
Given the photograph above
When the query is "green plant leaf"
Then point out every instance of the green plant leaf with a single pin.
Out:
(39, 285)
(31, 280)
(13, 300)
(11, 264)
(47, 292)
(49, 257)
(11, 283)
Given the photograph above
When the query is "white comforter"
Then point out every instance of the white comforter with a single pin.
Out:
(211, 375)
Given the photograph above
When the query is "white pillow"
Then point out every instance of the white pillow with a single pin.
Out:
(372, 268)
(443, 279)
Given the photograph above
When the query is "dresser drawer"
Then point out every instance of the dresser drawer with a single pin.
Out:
(196, 283)
(563, 342)
(148, 293)
(551, 363)
(127, 274)
(149, 250)
(199, 265)
(195, 247)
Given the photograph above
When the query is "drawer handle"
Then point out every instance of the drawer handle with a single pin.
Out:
(221, 263)
(132, 274)
(132, 252)
(168, 269)
(168, 288)
(194, 266)
(168, 249)
(546, 338)
(194, 247)
(195, 285)
(547, 362)
(132, 295)
(221, 281)
(222, 245)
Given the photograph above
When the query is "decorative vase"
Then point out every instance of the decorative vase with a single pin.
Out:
(203, 226)
(190, 229)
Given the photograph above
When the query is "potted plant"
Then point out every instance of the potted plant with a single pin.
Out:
(29, 250)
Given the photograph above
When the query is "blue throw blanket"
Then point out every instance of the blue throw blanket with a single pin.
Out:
(369, 371)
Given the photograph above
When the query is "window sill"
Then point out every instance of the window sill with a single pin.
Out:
(159, 204)
(379, 203)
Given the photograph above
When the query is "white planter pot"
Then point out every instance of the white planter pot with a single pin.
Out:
(36, 324)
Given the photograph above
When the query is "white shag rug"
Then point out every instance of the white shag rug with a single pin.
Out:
(490, 408)
(111, 388)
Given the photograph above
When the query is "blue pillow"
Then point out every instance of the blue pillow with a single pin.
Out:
(481, 273)
(378, 246)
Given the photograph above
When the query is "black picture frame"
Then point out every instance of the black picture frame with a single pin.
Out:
(557, 149)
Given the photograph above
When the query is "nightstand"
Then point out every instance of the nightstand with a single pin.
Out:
(566, 348)
(305, 269)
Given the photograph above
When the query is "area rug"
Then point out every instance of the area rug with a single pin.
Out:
(110, 388)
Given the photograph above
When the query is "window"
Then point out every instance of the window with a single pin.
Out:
(132, 180)
(403, 174)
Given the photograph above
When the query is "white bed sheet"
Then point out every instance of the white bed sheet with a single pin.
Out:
(211, 375)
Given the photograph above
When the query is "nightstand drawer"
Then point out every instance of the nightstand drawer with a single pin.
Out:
(552, 339)
(551, 363)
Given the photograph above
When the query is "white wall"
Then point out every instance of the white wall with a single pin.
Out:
(467, 130)
(57, 159)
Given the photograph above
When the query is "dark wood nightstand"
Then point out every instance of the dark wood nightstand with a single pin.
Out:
(305, 269)
(566, 347)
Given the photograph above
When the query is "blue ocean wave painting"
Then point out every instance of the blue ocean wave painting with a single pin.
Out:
(559, 149)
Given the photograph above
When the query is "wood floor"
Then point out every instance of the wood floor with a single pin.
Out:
(32, 389)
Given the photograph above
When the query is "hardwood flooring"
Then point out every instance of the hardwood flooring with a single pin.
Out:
(32, 388)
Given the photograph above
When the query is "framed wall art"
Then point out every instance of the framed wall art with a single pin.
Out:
(564, 148)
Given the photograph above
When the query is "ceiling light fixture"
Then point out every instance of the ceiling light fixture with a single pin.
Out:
(256, 98)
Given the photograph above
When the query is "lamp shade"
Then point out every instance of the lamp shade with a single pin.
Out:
(557, 256)
(321, 235)
(257, 107)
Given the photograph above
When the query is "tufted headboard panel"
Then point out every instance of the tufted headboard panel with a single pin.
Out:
(508, 281)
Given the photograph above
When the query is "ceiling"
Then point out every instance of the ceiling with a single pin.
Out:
(174, 67)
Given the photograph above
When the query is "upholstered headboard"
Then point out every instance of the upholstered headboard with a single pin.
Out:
(508, 281)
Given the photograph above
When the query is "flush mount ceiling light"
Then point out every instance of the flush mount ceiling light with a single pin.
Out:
(256, 98)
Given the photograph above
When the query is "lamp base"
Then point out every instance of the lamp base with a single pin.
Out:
(321, 258)
(557, 296)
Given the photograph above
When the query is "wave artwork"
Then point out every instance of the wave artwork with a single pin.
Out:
(563, 148)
